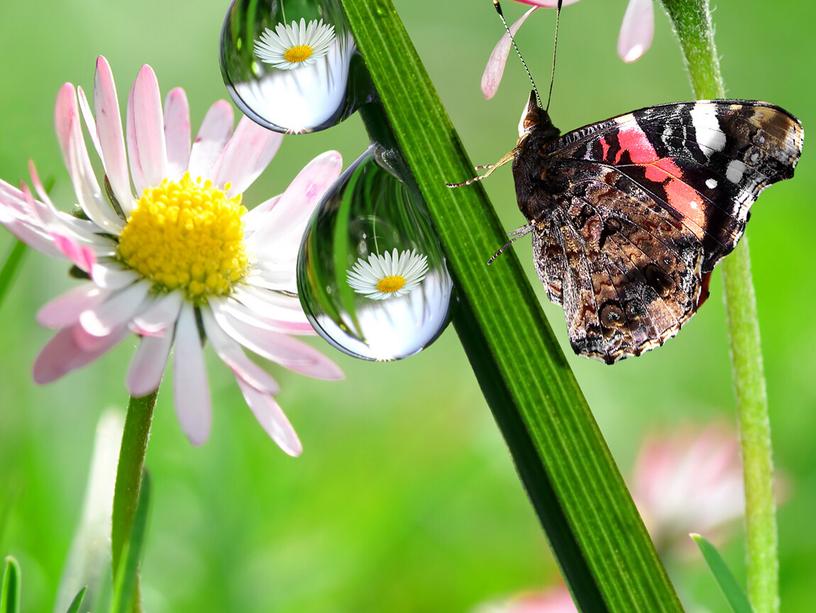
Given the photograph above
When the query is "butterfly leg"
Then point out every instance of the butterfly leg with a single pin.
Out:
(489, 168)
(513, 236)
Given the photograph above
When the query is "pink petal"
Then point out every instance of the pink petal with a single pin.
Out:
(90, 123)
(147, 367)
(254, 318)
(272, 419)
(271, 305)
(637, 30)
(246, 155)
(177, 132)
(65, 309)
(145, 133)
(253, 217)
(191, 392)
(158, 317)
(69, 134)
(37, 183)
(211, 139)
(232, 355)
(116, 311)
(493, 72)
(62, 354)
(111, 138)
(290, 353)
(81, 256)
(287, 220)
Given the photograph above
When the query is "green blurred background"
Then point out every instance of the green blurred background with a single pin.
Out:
(405, 498)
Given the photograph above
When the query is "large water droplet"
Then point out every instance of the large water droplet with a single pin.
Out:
(291, 65)
(371, 273)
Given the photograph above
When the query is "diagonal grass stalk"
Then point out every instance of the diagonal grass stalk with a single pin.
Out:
(572, 480)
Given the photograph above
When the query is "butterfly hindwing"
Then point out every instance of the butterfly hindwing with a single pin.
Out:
(631, 214)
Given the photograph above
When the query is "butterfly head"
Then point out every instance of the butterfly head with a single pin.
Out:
(534, 118)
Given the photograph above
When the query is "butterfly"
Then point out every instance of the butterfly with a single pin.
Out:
(630, 215)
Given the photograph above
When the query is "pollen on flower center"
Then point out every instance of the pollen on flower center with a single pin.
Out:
(298, 54)
(391, 284)
(187, 235)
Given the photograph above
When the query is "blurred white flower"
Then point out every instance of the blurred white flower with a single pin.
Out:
(552, 600)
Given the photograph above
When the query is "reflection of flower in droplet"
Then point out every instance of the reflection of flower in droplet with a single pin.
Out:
(295, 45)
(388, 276)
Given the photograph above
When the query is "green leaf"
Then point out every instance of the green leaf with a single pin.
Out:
(728, 584)
(10, 591)
(77, 601)
(10, 268)
(573, 482)
(125, 591)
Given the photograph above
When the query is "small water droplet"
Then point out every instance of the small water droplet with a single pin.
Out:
(371, 273)
(292, 65)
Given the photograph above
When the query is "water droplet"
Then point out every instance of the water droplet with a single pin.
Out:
(371, 274)
(292, 65)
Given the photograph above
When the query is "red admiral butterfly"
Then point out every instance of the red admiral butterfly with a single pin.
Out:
(630, 215)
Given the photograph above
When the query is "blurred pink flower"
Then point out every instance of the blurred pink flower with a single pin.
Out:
(689, 481)
(552, 600)
(635, 38)
(179, 258)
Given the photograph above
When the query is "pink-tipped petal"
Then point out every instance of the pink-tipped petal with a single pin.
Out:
(233, 356)
(254, 318)
(81, 256)
(42, 193)
(111, 136)
(246, 155)
(290, 353)
(115, 312)
(161, 315)
(90, 123)
(145, 133)
(177, 132)
(272, 419)
(637, 30)
(284, 224)
(62, 354)
(145, 372)
(191, 391)
(69, 134)
(65, 310)
(211, 139)
(494, 71)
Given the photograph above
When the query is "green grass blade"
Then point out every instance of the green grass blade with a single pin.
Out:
(570, 476)
(76, 603)
(10, 268)
(725, 579)
(125, 590)
(10, 591)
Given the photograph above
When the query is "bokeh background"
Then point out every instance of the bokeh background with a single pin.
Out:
(405, 498)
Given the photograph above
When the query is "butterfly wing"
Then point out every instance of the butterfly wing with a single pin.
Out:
(632, 213)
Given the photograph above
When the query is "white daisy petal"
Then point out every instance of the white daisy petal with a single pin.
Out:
(295, 45)
(390, 275)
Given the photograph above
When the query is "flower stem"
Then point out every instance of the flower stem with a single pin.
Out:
(10, 268)
(692, 22)
(129, 476)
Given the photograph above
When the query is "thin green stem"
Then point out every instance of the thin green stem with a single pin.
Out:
(11, 267)
(129, 475)
(692, 22)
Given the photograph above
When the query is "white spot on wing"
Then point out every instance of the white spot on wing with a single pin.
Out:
(711, 183)
(710, 136)
(735, 171)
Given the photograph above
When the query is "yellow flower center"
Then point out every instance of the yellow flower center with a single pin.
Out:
(187, 235)
(391, 284)
(298, 54)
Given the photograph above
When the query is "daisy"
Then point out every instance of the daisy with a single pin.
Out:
(295, 45)
(387, 276)
(302, 88)
(169, 252)
(635, 38)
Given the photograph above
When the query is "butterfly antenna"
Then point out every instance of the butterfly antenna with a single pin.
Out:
(513, 236)
(497, 6)
(555, 55)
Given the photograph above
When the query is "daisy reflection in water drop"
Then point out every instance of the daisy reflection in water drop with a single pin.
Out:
(296, 45)
(388, 276)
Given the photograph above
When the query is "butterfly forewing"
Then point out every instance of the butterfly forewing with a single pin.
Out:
(631, 213)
